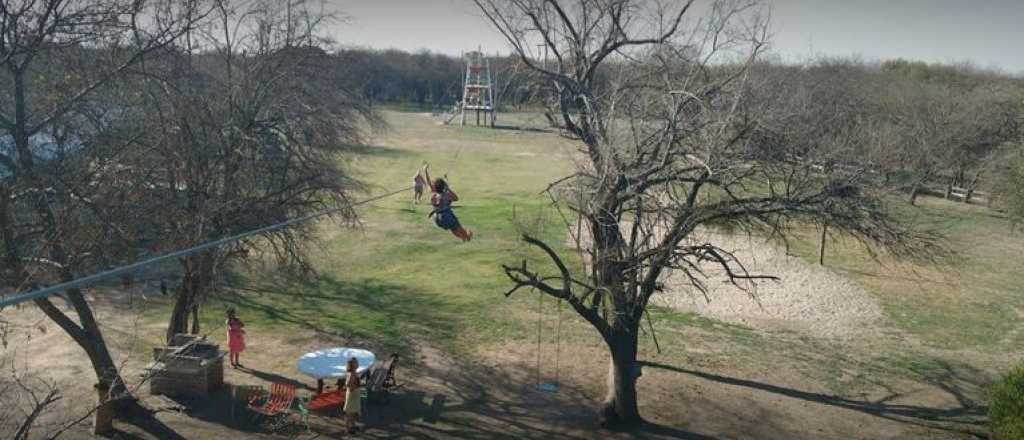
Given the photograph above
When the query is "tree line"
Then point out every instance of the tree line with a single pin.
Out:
(426, 80)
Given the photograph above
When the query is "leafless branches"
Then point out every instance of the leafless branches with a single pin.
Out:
(241, 134)
(684, 130)
(26, 398)
(59, 59)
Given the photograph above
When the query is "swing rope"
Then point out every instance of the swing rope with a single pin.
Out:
(94, 278)
(540, 320)
(558, 341)
(553, 386)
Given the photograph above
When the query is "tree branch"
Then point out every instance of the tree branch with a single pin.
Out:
(523, 277)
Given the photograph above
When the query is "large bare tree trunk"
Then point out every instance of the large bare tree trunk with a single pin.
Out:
(197, 278)
(180, 312)
(620, 405)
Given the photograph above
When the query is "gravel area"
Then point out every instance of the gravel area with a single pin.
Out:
(808, 298)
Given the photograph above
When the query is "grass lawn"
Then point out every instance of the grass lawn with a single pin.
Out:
(976, 302)
(397, 278)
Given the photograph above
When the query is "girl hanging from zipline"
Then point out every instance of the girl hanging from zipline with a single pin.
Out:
(441, 200)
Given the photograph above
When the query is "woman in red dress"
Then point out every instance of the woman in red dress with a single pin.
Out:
(236, 338)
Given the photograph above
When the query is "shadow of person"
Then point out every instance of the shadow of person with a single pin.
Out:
(276, 378)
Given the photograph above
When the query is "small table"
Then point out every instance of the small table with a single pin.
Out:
(330, 363)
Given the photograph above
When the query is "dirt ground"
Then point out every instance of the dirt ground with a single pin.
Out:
(491, 394)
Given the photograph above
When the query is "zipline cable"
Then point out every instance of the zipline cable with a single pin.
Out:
(91, 279)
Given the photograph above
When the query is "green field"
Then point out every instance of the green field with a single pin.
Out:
(396, 278)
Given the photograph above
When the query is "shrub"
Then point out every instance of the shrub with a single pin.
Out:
(1006, 415)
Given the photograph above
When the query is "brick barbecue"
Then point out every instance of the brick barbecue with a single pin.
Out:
(189, 366)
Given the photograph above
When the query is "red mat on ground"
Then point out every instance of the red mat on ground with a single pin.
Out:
(327, 400)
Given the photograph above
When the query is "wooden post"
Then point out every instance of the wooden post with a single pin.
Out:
(821, 249)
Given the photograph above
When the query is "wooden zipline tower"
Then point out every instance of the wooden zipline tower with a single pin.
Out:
(477, 90)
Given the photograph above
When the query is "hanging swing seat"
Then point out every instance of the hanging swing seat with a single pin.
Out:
(547, 387)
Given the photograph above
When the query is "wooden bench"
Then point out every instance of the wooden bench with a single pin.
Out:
(380, 380)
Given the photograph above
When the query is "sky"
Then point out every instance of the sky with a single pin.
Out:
(989, 33)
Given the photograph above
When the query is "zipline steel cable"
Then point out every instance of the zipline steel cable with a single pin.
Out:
(94, 278)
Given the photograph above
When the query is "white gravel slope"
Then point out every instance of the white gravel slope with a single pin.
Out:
(809, 297)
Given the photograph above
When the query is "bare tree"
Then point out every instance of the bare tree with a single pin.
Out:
(944, 123)
(56, 57)
(244, 132)
(1006, 185)
(671, 147)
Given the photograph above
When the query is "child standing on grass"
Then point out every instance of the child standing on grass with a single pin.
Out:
(441, 200)
(353, 402)
(236, 338)
(418, 183)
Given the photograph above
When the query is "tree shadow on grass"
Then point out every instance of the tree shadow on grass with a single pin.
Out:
(968, 417)
(471, 401)
(441, 396)
(367, 311)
